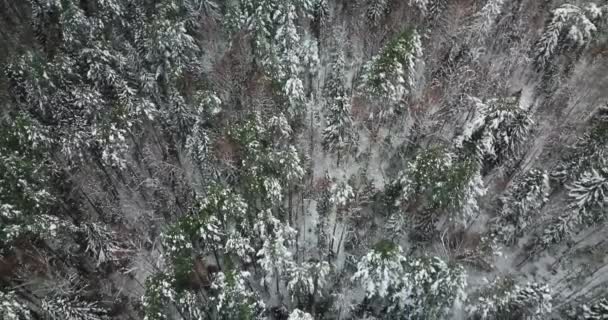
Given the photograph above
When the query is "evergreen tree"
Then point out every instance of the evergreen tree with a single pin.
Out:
(422, 5)
(441, 181)
(586, 206)
(434, 289)
(497, 130)
(504, 299)
(71, 309)
(278, 45)
(392, 74)
(161, 299)
(299, 315)
(307, 281)
(520, 204)
(380, 271)
(570, 26)
(423, 288)
(339, 135)
(376, 11)
(587, 151)
(587, 193)
(596, 311)
(217, 225)
(11, 308)
(275, 258)
(124, 73)
(270, 165)
(232, 299)
(198, 141)
(486, 17)
(25, 195)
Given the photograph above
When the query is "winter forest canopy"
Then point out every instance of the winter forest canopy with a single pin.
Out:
(303, 159)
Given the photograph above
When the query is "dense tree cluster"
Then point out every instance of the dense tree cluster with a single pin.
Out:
(303, 159)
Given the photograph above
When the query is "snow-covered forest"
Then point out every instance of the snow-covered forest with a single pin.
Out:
(303, 159)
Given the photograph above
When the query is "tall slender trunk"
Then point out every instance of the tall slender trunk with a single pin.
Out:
(277, 283)
(341, 239)
(217, 259)
(333, 237)
(338, 161)
(312, 149)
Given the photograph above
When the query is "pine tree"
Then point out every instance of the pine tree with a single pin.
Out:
(520, 204)
(232, 298)
(503, 298)
(201, 8)
(596, 311)
(444, 181)
(434, 287)
(60, 308)
(25, 196)
(586, 206)
(560, 228)
(422, 5)
(102, 243)
(218, 224)
(533, 301)
(381, 270)
(198, 141)
(392, 74)
(339, 135)
(497, 131)
(275, 258)
(587, 193)
(278, 45)
(307, 281)
(159, 294)
(570, 25)
(124, 73)
(376, 11)
(321, 16)
(299, 315)
(486, 17)
(11, 308)
(423, 288)
(587, 151)
(270, 164)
